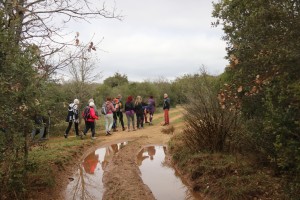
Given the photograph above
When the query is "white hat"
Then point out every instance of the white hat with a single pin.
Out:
(76, 101)
(91, 104)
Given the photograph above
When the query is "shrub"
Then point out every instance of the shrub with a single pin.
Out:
(209, 127)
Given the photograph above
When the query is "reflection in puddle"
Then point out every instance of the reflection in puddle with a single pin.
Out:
(163, 180)
(87, 183)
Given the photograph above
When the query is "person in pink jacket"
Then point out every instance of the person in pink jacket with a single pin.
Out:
(109, 115)
(90, 120)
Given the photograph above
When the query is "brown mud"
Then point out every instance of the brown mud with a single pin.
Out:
(121, 178)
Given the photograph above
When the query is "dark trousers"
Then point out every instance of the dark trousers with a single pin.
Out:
(89, 125)
(120, 115)
(42, 131)
(115, 120)
(151, 116)
(140, 120)
(69, 128)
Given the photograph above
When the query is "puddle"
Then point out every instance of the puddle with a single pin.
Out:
(86, 183)
(163, 180)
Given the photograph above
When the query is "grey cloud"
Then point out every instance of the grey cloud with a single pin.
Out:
(165, 38)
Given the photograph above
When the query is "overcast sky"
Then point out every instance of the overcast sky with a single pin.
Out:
(157, 38)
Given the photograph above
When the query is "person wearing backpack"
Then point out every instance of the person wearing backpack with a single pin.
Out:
(89, 116)
(120, 111)
(87, 107)
(109, 109)
(73, 116)
(95, 107)
(129, 110)
(166, 108)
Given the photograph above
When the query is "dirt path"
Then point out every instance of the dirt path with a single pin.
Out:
(122, 178)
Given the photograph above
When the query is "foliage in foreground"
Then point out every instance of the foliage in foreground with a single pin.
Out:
(209, 127)
(224, 176)
(18, 96)
(263, 78)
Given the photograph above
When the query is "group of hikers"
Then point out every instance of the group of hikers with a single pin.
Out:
(135, 110)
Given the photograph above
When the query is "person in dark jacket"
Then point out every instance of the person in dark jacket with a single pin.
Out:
(40, 127)
(139, 111)
(129, 110)
(120, 111)
(166, 108)
(151, 108)
(73, 117)
(115, 115)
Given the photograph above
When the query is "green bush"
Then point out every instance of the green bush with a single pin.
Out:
(209, 127)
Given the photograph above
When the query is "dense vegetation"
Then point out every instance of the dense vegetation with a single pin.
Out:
(250, 110)
(263, 46)
(260, 87)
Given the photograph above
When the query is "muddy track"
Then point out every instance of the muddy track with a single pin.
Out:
(122, 178)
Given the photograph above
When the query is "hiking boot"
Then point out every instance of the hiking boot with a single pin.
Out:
(93, 138)
(66, 136)
(124, 129)
(108, 133)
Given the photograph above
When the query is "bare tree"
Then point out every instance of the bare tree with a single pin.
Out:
(40, 24)
(82, 68)
(31, 35)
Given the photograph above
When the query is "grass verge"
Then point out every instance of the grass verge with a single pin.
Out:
(51, 157)
(225, 176)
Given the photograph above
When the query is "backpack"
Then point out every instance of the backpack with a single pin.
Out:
(71, 112)
(103, 108)
(86, 113)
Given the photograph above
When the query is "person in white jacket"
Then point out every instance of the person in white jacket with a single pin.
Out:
(73, 116)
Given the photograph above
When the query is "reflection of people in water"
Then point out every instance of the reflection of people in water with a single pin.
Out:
(140, 157)
(103, 164)
(115, 148)
(90, 163)
(151, 151)
(165, 150)
(109, 152)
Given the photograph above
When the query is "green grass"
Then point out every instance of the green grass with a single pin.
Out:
(158, 120)
(179, 120)
(53, 153)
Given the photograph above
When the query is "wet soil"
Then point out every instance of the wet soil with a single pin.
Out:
(122, 177)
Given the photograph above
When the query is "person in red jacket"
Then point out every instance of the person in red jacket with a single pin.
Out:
(90, 163)
(90, 120)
